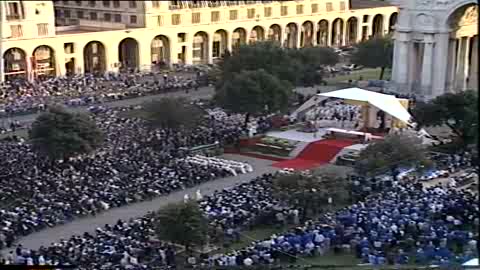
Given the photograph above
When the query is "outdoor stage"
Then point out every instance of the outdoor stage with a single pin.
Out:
(317, 150)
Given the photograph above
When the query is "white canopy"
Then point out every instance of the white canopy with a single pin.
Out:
(472, 262)
(387, 103)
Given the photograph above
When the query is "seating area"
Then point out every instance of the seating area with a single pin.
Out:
(232, 166)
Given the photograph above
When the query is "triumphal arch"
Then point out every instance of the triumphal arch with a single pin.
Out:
(436, 46)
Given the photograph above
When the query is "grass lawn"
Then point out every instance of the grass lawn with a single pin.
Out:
(367, 74)
(19, 132)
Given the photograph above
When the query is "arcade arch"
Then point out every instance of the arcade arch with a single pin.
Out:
(352, 31)
(44, 62)
(337, 32)
(160, 51)
(291, 32)
(94, 57)
(239, 38)
(322, 33)
(306, 37)
(128, 54)
(377, 26)
(257, 34)
(200, 48)
(392, 21)
(220, 40)
(15, 63)
(274, 33)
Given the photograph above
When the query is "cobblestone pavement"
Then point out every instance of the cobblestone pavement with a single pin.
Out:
(89, 224)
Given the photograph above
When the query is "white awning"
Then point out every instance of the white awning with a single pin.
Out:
(387, 103)
(472, 262)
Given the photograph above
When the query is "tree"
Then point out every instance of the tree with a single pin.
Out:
(374, 53)
(182, 223)
(253, 92)
(288, 64)
(391, 153)
(58, 133)
(172, 113)
(309, 193)
(458, 111)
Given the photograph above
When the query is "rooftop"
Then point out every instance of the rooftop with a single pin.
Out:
(362, 4)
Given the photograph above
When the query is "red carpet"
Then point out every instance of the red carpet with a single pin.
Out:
(315, 154)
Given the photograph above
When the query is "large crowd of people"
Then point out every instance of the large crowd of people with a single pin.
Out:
(397, 223)
(134, 164)
(22, 96)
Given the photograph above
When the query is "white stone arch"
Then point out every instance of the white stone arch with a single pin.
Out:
(430, 57)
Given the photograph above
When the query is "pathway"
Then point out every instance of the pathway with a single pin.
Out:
(89, 224)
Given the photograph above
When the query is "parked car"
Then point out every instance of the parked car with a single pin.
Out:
(351, 67)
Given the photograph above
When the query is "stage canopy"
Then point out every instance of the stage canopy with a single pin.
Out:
(387, 103)
(472, 262)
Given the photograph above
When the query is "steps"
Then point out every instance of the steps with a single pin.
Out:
(298, 149)
(315, 154)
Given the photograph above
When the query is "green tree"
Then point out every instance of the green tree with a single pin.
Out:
(182, 223)
(374, 53)
(310, 193)
(288, 64)
(58, 133)
(458, 111)
(253, 92)
(391, 153)
(172, 113)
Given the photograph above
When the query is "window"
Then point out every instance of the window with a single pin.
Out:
(13, 12)
(79, 3)
(116, 3)
(65, 2)
(107, 17)
(215, 16)
(267, 12)
(299, 9)
(233, 14)
(68, 48)
(284, 11)
(251, 13)
(37, 12)
(58, 12)
(133, 19)
(42, 29)
(80, 14)
(66, 13)
(160, 20)
(117, 18)
(196, 17)
(365, 18)
(106, 3)
(342, 6)
(132, 4)
(176, 20)
(181, 37)
(16, 31)
(314, 8)
(93, 15)
(91, 3)
(329, 6)
(156, 4)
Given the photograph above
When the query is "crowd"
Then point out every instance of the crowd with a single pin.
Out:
(396, 223)
(134, 164)
(336, 113)
(21, 96)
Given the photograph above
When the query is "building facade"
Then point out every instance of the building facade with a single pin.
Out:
(74, 37)
(436, 47)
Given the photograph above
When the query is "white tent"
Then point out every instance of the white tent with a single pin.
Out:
(387, 103)
(472, 262)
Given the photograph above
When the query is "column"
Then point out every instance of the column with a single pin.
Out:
(473, 77)
(144, 55)
(427, 68)
(330, 36)
(79, 63)
(112, 62)
(401, 59)
(210, 50)
(452, 59)
(298, 38)
(440, 65)
(314, 34)
(173, 53)
(460, 72)
(188, 53)
(466, 63)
